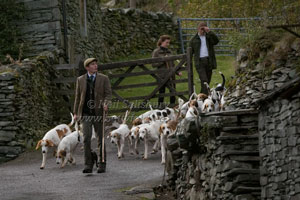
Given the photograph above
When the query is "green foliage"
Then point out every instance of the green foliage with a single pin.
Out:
(10, 12)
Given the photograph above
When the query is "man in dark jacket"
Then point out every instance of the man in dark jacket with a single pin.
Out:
(202, 45)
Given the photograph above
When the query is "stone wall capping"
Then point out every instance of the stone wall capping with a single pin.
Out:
(233, 112)
(293, 86)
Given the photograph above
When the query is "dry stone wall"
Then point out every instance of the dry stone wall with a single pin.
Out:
(107, 34)
(41, 27)
(241, 154)
(27, 101)
(279, 139)
(115, 33)
(217, 160)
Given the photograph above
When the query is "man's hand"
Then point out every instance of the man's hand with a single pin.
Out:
(179, 74)
(75, 117)
(206, 29)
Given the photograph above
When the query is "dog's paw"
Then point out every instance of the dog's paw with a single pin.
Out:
(145, 158)
(42, 167)
(163, 162)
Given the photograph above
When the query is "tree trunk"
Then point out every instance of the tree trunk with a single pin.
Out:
(132, 4)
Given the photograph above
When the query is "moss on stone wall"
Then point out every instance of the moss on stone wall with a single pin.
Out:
(115, 33)
(29, 93)
(10, 12)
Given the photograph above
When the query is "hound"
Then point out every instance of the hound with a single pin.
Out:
(166, 129)
(218, 93)
(150, 132)
(119, 135)
(52, 138)
(134, 133)
(67, 146)
(208, 104)
(192, 112)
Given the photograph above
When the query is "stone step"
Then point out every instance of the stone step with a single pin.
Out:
(245, 158)
(244, 189)
(237, 128)
(246, 178)
(238, 171)
(237, 152)
(234, 112)
(238, 137)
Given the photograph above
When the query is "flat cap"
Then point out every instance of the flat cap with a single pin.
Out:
(88, 61)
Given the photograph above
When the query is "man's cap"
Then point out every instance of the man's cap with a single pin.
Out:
(202, 24)
(88, 61)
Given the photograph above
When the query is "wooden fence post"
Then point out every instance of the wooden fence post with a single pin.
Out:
(189, 64)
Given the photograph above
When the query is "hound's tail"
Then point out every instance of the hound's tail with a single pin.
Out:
(150, 107)
(72, 122)
(125, 117)
(127, 113)
(208, 88)
(193, 94)
(180, 103)
(223, 77)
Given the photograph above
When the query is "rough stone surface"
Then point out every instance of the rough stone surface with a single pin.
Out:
(107, 34)
(260, 73)
(212, 166)
(279, 149)
(28, 110)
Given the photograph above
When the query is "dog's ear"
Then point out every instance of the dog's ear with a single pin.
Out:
(147, 119)
(54, 153)
(195, 112)
(109, 135)
(49, 143)
(196, 104)
(137, 131)
(63, 153)
(160, 129)
(203, 96)
(205, 107)
(173, 125)
(38, 145)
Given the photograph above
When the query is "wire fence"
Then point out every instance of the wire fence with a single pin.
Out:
(222, 27)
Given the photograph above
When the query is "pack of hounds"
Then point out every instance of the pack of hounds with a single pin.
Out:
(152, 127)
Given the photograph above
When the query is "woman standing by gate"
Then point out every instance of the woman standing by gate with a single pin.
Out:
(163, 51)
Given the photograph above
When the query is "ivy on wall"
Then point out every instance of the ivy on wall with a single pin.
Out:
(11, 12)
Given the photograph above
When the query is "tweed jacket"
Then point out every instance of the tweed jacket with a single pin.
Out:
(102, 92)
